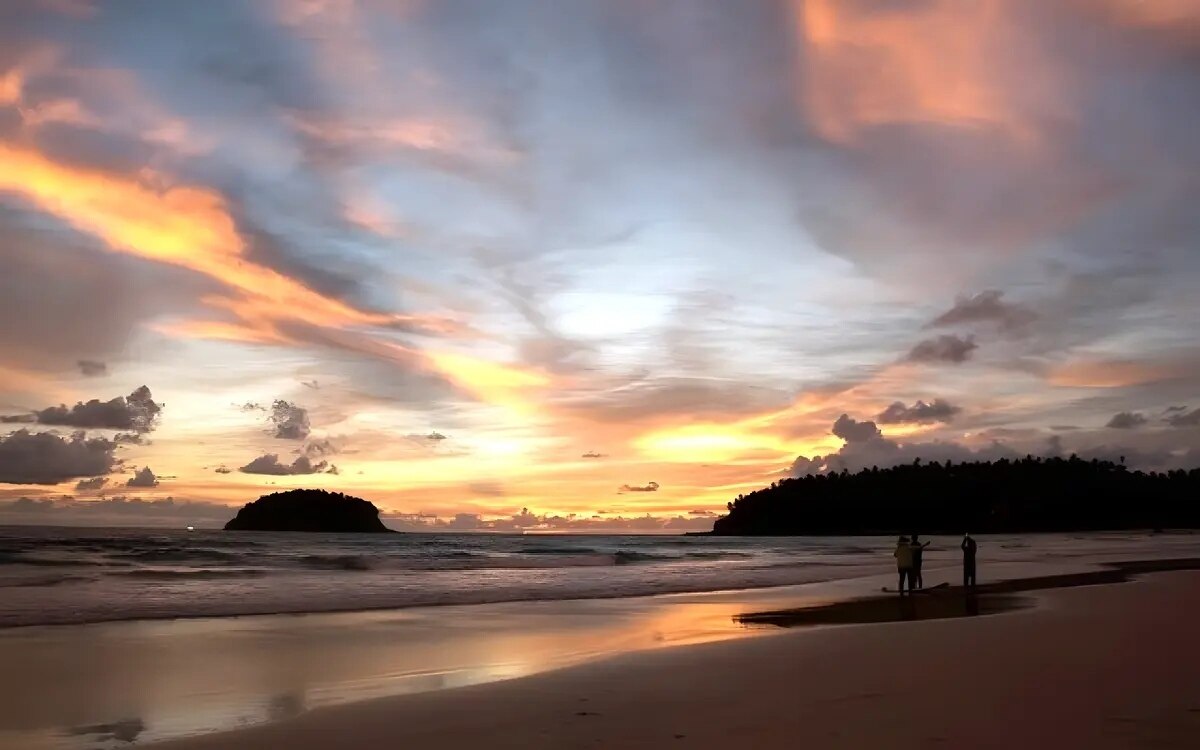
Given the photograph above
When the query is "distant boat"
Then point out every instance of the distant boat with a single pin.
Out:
(191, 528)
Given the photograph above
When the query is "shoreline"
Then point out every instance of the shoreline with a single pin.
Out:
(1055, 675)
(240, 657)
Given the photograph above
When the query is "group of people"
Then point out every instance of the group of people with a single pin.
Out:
(910, 552)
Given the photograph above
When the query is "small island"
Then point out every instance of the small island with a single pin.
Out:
(309, 510)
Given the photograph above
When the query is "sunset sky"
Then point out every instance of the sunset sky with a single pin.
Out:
(613, 262)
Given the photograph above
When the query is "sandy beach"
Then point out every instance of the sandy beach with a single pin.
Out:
(1106, 666)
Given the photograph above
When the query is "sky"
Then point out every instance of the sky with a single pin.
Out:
(584, 265)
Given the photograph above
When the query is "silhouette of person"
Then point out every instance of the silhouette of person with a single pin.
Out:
(918, 551)
(969, 547)
(904, 562)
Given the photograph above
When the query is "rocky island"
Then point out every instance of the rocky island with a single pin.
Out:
(309, 510)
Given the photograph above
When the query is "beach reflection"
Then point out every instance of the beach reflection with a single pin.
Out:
(187, 677)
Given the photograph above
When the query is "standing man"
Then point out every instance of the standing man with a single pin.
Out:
(969, 547)
(918, 552)
(904, 562)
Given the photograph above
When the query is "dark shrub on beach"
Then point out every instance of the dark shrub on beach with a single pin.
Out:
(1028, 495)
(308, 510)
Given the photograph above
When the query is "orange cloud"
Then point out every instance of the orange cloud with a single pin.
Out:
(1154, 13)
(1109, 373)
(182, 226)
(491, 382)
(862, 65)
(11, 85)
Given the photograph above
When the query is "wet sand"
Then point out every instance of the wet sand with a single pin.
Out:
(1095, 666)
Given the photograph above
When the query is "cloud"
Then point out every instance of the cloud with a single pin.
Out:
(593, 454)
(435, 436)
(114, 511)
(143, 478)
(882, 452)
(269, 464)
(90, 368)
(945, 348)
(95, 483)
(322, 447)
(290, 420)
(1126, 420)
(46, 458)
(985, 307)
(487, 489)
(526, 520)
(137, 412)
(853, 431)
(1185, 419)
(650, 487)
(919, 413)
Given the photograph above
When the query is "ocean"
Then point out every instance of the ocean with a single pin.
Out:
(53, 576)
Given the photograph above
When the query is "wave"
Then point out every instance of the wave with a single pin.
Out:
(177, 554)
(199, 573)
(38, 561)
(335, 562)
(556, 550)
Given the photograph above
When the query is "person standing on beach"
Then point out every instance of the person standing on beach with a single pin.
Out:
(904, 562)
(969, 547)
(918, 551)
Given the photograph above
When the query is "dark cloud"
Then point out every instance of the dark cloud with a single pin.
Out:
(946, 348)
(137, 412)
(18, 418)
(129, 438)
(290, 420)
(90, 368)
(435, 436)
(985, 307)
(649, 487)
(1185, 419)
(143, 478)
(322, 447)
(269, 464)
(853, 431)
(919, 413)
(593, 454)
(1126, 420)
(95, 483)
(46, 458)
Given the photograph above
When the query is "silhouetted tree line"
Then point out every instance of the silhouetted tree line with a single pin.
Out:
(308, 510)
(1030, 494)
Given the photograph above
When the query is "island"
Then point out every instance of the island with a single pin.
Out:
(309, 510)
(1005, 496)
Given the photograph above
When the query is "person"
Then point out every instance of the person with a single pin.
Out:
(918, 551)
(904, 562)
(969, 547)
